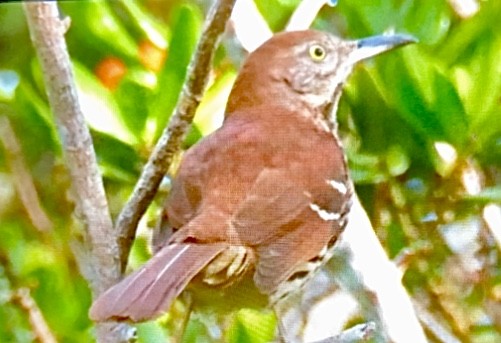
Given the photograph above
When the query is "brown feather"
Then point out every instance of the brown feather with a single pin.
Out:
(150, 290)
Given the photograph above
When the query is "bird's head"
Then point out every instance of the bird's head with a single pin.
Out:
(304, 66)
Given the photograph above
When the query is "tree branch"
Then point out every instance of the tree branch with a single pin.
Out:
(47, 34)
(37, 320)
(358, 333)
(433, 325)
(23, 181)
(173, 135)
(376, 280)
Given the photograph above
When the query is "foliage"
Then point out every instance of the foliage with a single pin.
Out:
(416, 123)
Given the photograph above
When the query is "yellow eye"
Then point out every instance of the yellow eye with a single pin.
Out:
(317, 52)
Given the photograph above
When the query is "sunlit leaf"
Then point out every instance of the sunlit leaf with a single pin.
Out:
(100, 108)
(397, 161)
(487, 195)
(276, 12)
(145, 23)
(151, 333)
(210, 113)
(252, 326)
(365, 168)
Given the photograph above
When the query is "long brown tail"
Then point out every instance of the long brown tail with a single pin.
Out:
(150, 290)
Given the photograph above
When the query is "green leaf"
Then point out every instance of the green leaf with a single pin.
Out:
(117, 160)
(33, 111)
(197, 332)
(276, 12)
(429, 20)
(424, 97)
(464, 36)
(99, 106)
(151, 332)
(210, 112)
(252, 326)
(366, 16)
(95, 26)
(490, 153)
(396, 240)
(449, 111)
(479, 85)
(366, 169)
(487, 195)
(397, 161)
(144, 22)
(411, 105)
(133, 95)
(185, 33)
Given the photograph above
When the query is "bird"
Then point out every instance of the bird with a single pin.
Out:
(262, 200)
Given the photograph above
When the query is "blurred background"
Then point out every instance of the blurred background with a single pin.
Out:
(421, 126)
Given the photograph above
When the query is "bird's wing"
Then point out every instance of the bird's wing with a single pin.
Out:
(210, 166)
(241, 175)
(271, 207)
(150, 290)
(259, 186)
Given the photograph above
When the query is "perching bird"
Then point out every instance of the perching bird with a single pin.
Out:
(262, 200)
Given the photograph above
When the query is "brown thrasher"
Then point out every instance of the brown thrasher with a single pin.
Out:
(265, 197)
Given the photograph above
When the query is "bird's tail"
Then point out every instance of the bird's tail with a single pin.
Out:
(150, 290)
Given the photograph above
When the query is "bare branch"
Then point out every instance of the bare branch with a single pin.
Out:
(47, 34)
(22, 178)
(380, 279)
(172, 137)
(39, 325)
(358, 333)
(433, 325)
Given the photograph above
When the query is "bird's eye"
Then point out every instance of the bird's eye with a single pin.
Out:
(317, 52)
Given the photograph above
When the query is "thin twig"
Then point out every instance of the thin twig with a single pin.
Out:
(47, 34)
(358, 333)
(172, 137)
(433, 325)
(377, 279)
(22, 178)
(21, 296)
(37, 320)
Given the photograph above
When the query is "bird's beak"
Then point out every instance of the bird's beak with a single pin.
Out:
(372, 46)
